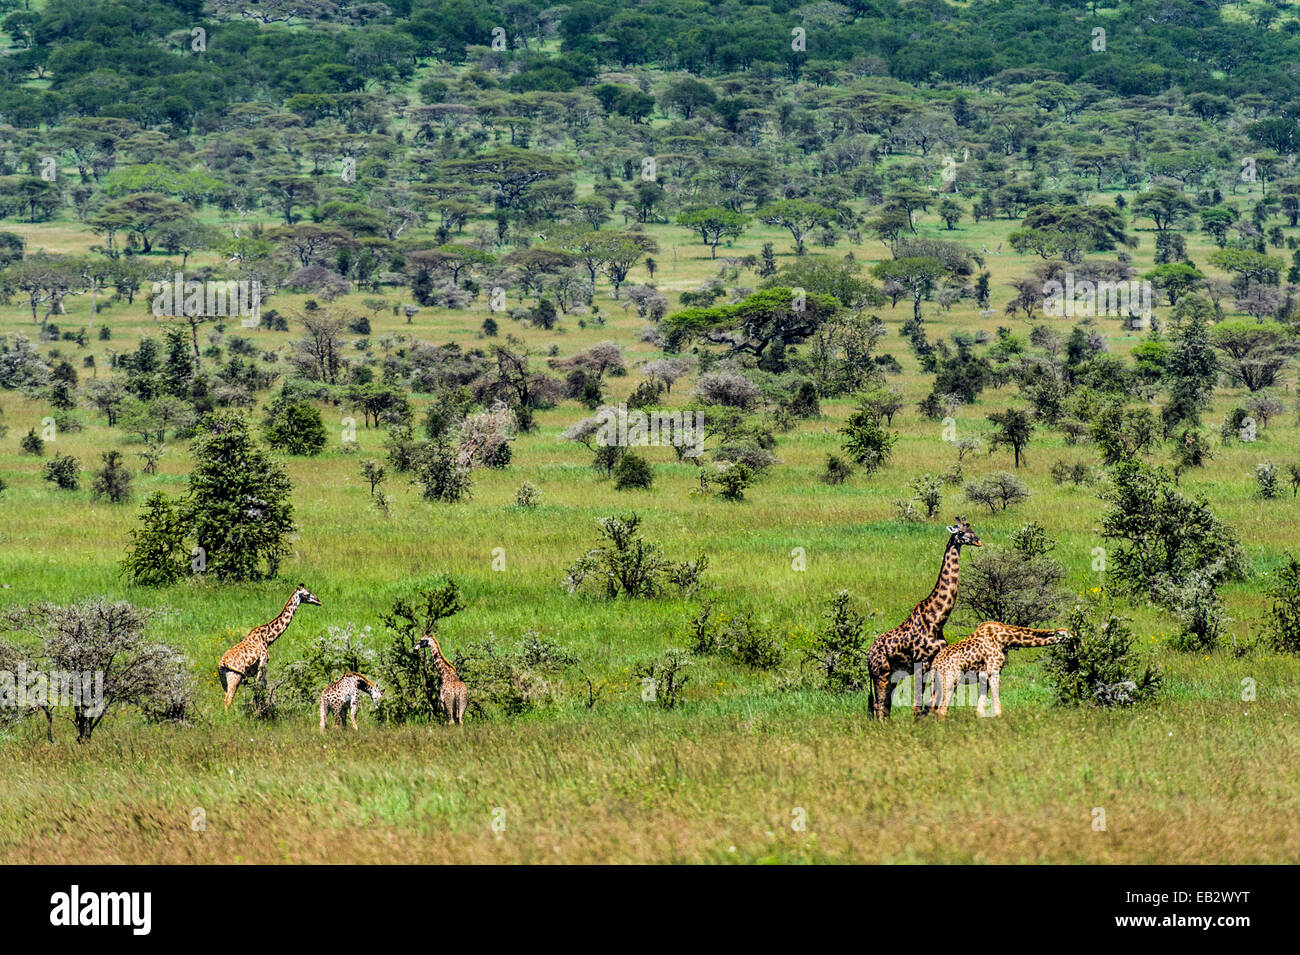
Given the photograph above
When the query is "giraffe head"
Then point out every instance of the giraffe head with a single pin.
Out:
(428, 640)
(305, 596)
(375, 692)
(962, 534)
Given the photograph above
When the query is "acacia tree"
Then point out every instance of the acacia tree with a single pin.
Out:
(783, 316)
(45, 279)
(141, 215)
(1254, 351)
(621, 252)
(1163, 205)
(510, 171)
(917, 273)
(713, 225)
(1014, 428)
(798, 216)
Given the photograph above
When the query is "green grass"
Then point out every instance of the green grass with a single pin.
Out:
(1200, 777)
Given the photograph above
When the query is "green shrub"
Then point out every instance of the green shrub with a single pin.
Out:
(837, 470)
(633, 472)
(840, 648)
(733, 479)
(1266, 480)
(156, 554)
(1284, 615)
(740, 639)
(113, 481)
(528, 495)
(411, 681)
(439, 474)
(624, 564)
(1096, 665)
(661, 680)
(296, 429)
(866, 442)
(64, 471)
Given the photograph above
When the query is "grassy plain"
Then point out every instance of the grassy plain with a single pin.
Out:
(1200, 777)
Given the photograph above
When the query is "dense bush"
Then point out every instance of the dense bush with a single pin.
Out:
(1096, 665)
(633, 472)
(1284, 614)
(840, 648)
(295, 428)
(1019, 586)
(64, 471)
(740, 639)
(624, 564)
(113, 480)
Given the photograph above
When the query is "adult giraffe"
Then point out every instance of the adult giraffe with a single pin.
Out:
(916, 641)
(249, 657)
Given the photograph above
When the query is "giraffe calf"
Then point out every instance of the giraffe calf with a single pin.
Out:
(985, 652)
(343, 694)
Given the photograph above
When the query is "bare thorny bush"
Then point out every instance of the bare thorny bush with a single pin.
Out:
(101, 639)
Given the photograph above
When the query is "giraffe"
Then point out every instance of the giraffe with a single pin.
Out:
(915, 641)
(453, 693)
(344, 694)
(248, 658)
(984, 651)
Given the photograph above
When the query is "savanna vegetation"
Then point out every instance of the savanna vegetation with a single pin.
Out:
(850, 269)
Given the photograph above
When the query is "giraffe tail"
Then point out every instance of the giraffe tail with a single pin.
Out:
(223, 670)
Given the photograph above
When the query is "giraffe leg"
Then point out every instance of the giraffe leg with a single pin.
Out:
(918, 691)
(944, 685)
(232, 684)
(322, 716)
(352, 714)
(994, 677)
(984, 689)
(880, 687)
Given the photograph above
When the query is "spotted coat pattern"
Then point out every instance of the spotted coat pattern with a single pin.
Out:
(454, 694)
(344, 694)
(985, 652)
(917, 640)
(249, 657)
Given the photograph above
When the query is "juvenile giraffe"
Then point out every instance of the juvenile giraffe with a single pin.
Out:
(248, 658)
(984, 651)
(344, 694)
(918, 639)
(453, 693)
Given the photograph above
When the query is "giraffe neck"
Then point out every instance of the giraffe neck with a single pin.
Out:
(940, 602)
(281, 623)
(439, 661)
